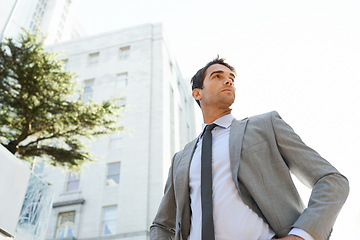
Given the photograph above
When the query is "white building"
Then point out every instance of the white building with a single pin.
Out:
(26, 200)
(118, 196)
(55, 18)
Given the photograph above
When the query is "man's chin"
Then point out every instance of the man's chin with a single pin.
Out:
(230, 101)
(227, 105)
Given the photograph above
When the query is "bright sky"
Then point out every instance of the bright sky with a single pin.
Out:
(301, 58)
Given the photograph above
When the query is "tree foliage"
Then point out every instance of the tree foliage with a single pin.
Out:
(41, 113)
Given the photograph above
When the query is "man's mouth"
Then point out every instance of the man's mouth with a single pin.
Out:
(227, 90)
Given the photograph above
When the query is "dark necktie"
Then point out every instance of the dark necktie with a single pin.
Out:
(207, 232)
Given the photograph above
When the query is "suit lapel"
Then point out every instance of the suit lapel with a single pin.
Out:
(236, 138)
(182, 186)
(182, 172)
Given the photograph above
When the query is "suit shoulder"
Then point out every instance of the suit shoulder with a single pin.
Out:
(178, 154)
(264, 117)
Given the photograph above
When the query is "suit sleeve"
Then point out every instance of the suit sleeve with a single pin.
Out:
(329, 188)
(163, 226)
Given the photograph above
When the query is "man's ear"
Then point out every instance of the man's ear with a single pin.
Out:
(196, 94)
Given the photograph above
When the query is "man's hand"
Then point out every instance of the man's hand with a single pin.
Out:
(290, 237)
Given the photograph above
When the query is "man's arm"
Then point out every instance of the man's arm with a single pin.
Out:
(329, 188)
(163, 226)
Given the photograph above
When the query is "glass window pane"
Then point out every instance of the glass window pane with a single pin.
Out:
(66, 64)
(109, 220)
(113, 174)
(124, 53)
(39, 167)
(113, 180)
(69, 232)
(114, 168)
(61, 233)
(121, 80)
(110, 213)
(93, 59)
(88, 89)
(122, 102)
(72, 176)
(72, 186)
(65, 225)
(109, 228)
(73, 182)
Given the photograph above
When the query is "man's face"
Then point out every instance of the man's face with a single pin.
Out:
(218, 87)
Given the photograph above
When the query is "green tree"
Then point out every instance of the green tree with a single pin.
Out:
(41, 113)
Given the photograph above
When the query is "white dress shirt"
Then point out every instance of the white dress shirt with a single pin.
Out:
(233, 219)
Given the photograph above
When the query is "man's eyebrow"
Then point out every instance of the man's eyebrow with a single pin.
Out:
(220, 71)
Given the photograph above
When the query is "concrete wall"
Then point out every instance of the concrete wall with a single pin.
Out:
(25, 200)
(14, 178)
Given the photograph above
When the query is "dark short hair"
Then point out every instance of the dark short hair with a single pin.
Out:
(198, 79)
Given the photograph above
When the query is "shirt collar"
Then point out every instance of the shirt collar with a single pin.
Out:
(224, 122)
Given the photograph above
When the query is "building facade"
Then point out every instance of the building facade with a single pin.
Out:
(117, 196)
(55, 18)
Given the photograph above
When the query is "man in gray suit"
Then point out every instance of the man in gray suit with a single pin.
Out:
(253, 195)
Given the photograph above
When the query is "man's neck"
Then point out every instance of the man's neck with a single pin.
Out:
(210, 116)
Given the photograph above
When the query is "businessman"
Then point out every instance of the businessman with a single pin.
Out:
(233, 181)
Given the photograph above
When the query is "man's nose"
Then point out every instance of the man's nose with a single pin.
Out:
(229, 82)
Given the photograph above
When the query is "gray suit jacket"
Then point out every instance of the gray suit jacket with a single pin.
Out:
(263, 152)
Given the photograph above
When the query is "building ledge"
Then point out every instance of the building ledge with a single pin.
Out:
(67, 203)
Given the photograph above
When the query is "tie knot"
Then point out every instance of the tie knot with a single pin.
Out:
(210, 127)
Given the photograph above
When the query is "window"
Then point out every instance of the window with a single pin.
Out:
(88, 89)
(73, 182)
(121, 80)
(109, 220)
(32, 26)
(66, 64)
(124, 53)
(121, 102)
(113, 174)
(93, 59)
(65, 225)
(38, 167)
